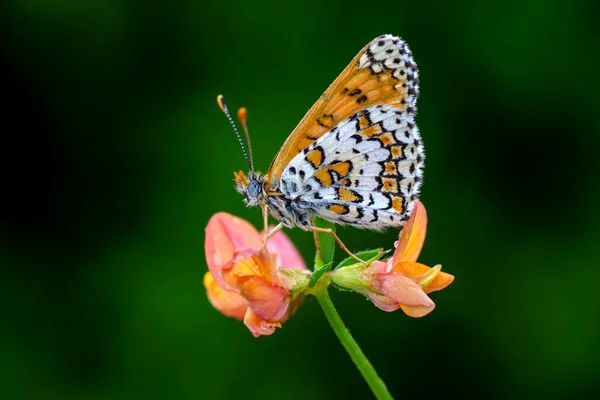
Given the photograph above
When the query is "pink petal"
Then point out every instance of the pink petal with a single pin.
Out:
(226, 234)
(412, 236)
(259, 326)
(400, 289)
(267, 300)
(383, 303)
(377, 267)
(288, 256)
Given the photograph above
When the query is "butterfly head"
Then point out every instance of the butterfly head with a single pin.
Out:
(250, 186)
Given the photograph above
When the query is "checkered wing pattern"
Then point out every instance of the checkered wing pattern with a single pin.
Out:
(365, 172)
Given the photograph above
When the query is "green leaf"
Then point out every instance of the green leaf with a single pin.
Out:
(314, 278)
(325, 241)
(367, 255)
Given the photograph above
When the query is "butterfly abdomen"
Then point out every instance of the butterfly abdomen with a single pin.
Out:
(290, 212)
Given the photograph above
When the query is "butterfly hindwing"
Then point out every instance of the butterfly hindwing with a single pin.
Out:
(366, 171)
(383, 73)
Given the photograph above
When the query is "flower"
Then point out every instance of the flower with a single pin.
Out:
(260, 286)
(400, 282)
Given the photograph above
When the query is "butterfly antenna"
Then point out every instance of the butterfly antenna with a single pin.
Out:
(223, 107)
(242, 115)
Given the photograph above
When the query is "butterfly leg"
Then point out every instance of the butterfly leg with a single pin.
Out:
(270, 234)
(339, 242)
(265, 213)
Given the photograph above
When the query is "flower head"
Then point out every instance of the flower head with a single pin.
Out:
(400, 282)
(249, 283)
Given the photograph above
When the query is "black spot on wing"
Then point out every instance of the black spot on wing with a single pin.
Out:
(375, 216)
(360, 213)
(371, 200)
(357, 138)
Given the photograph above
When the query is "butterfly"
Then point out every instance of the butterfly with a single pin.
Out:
(356, 158)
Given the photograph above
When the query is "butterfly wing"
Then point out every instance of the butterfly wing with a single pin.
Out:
(383, 72)
(366, 171)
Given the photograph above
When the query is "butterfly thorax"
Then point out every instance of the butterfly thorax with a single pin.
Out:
(256, 193)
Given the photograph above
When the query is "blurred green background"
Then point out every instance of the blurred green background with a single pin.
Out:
(115, 155)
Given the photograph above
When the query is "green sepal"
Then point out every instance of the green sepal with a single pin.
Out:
(367, 255)
(314, 278)
(298, 279)
(340, 288)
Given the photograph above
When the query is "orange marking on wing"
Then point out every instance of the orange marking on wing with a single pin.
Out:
(390, 185)
(338, 209)
(397, 205)
(396, 152)
(323, 177)
(315, 157)
(363, 121)
(371, 131)
(347, 195)
(378, 89)
(342, 168)
(387, 139)
(390, 168)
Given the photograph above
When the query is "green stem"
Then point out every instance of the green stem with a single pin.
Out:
(358, 357)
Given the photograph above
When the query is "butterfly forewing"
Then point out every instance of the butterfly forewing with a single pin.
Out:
(382, 73)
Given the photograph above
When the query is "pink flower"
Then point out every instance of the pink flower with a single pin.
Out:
(247, 282)
(400, 282)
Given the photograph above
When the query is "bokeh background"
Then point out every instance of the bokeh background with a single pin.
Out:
(115, 155)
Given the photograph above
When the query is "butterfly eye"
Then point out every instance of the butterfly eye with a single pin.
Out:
(253, 189)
